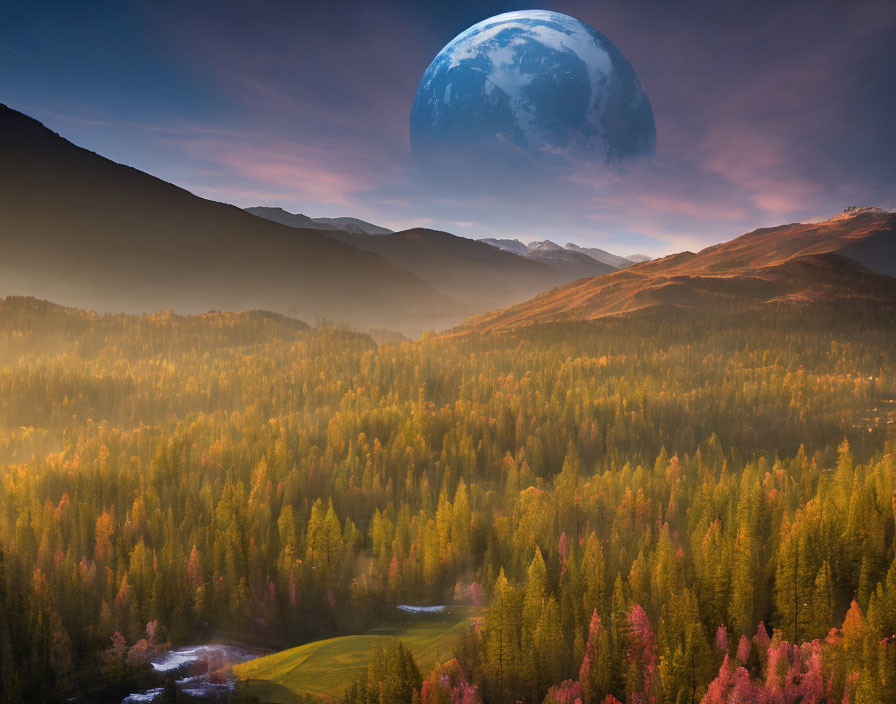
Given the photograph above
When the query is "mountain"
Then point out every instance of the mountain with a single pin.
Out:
(476, 275)
(514, 246)
(601, 255)
(850, 257)
(866, 235)
(284, 217)
(548, 249)
(353, 225)
(638, 258)
(84, 231)
(544, 245)
(578, 263)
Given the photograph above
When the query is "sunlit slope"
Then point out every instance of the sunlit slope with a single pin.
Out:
(328, 667)
(848, 259)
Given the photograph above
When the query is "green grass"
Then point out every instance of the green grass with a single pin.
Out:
(325, 668)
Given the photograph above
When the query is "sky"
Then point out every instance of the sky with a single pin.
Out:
(766, 112)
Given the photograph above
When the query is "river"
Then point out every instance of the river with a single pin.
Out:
(201, 672)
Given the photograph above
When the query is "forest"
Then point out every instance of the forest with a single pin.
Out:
(670, 506)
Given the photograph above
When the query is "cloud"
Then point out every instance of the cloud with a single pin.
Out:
(328, 174)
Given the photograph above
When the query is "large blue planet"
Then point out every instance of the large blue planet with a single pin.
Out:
(530, 89)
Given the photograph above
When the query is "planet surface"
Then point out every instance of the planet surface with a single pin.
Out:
(527, 89)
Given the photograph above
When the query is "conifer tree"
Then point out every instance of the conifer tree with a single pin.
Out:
(502, 641)
(823, 603)
(743, 579)
(794, 583)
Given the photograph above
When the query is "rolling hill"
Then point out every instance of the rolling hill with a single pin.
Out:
(850, 257)
(84, 231)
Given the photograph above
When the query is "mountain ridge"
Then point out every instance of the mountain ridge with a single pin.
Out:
(540, 247)
(298, 220)
(798, 263)
(350, 224)
(471, 272)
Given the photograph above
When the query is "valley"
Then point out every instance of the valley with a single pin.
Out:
(202, 475)
(447, 352)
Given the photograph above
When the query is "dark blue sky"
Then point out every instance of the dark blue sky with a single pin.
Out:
(766, 112)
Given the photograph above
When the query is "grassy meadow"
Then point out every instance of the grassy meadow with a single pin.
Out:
(326, 668)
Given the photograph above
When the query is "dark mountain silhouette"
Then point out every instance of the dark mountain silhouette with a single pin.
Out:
(84, 231)
(851, 257)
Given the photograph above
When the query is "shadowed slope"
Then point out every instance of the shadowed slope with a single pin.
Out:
(473, 273)
(85, 231)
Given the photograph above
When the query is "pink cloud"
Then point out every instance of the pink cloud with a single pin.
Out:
(758, 167)
(327, 174)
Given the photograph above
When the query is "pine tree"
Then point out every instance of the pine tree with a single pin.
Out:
(502, 641)
(594, 675)
(823, 603)
(594, 571)
(619, 636)
(460, 526)
(794, 583)
(686, 659)
(536, 591)
(874, 677)
(641, 659)
(550, 648)
(743, 579)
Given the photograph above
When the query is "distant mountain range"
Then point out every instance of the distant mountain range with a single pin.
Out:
(354, 225)
(554, 255)
(298, 220)
(478, 276)
(547, 248)
(514, 246)
(851, 257)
